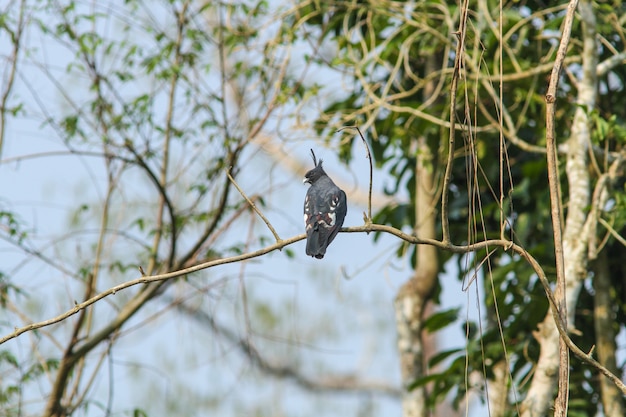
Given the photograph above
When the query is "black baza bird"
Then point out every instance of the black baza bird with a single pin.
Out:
(325, 208)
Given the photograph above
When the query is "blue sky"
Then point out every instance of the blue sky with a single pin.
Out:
(323, 317)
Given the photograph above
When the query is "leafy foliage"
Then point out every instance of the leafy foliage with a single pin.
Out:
(400, 57)
(154, 101)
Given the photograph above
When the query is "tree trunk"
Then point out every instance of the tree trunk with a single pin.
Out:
(604, 319)
(414, 294)
(575, 236)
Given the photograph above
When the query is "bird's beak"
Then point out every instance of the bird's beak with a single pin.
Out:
(305, 180)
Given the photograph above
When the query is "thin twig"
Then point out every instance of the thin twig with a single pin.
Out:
(458, 63)
(561, 402)
(368, 216)
(612, 231)
(16, 39)
(254, 207)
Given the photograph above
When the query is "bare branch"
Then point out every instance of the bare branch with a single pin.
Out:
(612, 231)
(610, 63)
(16, 38)
(368, 217)
(254, 207)
(458, 64)
(561, 402)
(161, 278)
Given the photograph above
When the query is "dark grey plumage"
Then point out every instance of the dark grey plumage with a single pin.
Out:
(325, 208)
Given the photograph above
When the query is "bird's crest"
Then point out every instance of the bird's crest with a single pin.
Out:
(315, 161)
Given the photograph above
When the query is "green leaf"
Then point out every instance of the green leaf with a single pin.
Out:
(443, 355)
(441, 319)
(6, 356)
(420, 382)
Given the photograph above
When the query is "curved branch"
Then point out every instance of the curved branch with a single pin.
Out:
(368, 216)
(254, 207)
(368, 228)
(162, 191)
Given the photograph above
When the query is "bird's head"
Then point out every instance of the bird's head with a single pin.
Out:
(316, 173)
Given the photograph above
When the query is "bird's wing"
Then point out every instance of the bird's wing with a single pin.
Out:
(338, 210)
(324, 213)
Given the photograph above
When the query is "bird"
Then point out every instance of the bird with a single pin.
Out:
(325, 208)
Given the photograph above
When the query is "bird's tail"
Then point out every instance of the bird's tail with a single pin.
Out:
(315, 245)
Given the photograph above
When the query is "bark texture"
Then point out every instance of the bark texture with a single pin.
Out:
(414, 294)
